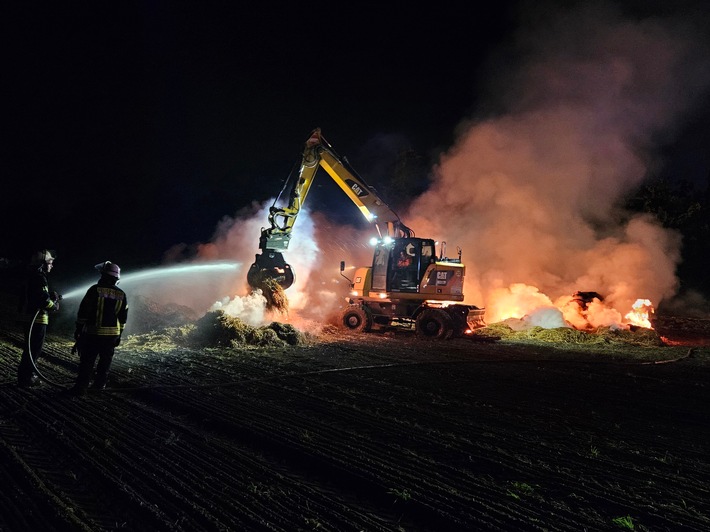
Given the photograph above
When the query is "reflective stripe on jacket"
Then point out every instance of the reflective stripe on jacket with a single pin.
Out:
(103, 311)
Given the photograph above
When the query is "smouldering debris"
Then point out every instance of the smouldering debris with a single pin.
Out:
(217, 329)
(638, 336)
(276, 299)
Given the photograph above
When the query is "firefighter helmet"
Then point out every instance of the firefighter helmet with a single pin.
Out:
(109, 268)
(42, 257)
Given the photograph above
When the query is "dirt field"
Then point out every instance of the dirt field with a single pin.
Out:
(375, 432)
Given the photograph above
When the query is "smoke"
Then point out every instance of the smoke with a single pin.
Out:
(533, 194)
(314, 253)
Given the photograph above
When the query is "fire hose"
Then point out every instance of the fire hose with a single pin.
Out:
(32, 360)
(34, 363)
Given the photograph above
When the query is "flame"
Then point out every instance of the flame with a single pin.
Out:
(640, 315)
(527, 303)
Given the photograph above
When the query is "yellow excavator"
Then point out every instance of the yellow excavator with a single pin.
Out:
(407, 284)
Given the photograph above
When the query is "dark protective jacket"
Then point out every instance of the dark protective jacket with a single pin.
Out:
(104, 310)
(36, 296)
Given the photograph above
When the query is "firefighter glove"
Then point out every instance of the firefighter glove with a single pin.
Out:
(118, 341)
(77, 333)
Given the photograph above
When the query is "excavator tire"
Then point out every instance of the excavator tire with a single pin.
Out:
(435, 323)
(357, 318)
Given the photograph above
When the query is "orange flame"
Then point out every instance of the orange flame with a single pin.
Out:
(640, 315)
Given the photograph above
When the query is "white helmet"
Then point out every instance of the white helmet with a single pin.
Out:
(42, 257)
(109, 268)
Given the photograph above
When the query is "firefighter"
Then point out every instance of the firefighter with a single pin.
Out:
(36, 302)
(100, 322)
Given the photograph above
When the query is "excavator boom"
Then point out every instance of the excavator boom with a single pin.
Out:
(275, 239)
(408, 283)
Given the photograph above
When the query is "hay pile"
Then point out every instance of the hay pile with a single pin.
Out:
(217, 329)
(565, 335)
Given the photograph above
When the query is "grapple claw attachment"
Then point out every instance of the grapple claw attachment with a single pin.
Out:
(270, 265)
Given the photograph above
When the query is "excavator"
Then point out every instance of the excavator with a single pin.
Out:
(407, 284)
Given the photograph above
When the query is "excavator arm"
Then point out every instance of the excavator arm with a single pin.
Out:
(274, 240)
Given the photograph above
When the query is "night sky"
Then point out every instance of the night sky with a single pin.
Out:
(135, 126)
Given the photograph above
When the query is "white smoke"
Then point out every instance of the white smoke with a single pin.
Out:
(314, 253)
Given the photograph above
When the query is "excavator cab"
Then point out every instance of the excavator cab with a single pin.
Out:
(398, 266)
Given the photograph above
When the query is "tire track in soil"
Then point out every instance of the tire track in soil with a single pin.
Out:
(69, 498)
(153, 474)
(257, 427)
(266, 475)
(432, 483)
(627, 471)
(83, 479)
(349, 519)
(350, 514)
(604, 498)
(379, 468)
(370, 431)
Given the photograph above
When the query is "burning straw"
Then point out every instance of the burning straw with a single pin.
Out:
(276, 299)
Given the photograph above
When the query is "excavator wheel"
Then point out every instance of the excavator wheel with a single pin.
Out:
(357, 318)
(435, 323)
